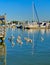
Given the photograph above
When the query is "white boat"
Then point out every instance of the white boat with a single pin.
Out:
(43, 25)
(28, 26)
(33, 25)
(12, 26)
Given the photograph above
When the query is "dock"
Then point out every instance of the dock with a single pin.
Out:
(2, 37)
(2, 54)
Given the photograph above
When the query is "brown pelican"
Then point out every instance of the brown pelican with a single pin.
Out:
(19, 40)
(42, 39)
(28, 39)
(13, 44)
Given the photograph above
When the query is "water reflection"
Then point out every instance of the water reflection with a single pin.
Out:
(30, 38)
(43, 31)
(48, 31)
(31, 30)
(19, 35)
(2, 54)
(33, 45)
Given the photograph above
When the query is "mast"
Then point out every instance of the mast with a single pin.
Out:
(34, 9)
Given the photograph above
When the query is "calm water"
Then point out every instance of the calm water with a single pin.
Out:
(35, 53)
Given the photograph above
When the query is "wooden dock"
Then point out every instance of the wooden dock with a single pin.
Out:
(2, 54)
(2, 36)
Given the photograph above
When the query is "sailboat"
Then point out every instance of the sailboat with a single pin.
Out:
(28, 26)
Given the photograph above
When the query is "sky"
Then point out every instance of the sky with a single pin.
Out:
(23, 9)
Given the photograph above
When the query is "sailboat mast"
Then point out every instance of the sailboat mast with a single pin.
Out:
(34, 10)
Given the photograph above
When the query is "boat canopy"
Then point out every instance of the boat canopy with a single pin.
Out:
(2, 18)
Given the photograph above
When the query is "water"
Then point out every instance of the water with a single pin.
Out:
(35, 53)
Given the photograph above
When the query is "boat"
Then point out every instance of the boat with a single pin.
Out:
(43, 25)
(28, 26)
(19, 26)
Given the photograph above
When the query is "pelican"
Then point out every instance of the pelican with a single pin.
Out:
(10, 39)
(19, 41)
(13, 44)
(19, 37)
(28, 39)
(42, 38)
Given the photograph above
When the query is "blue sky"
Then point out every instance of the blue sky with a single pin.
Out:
(22, 9)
